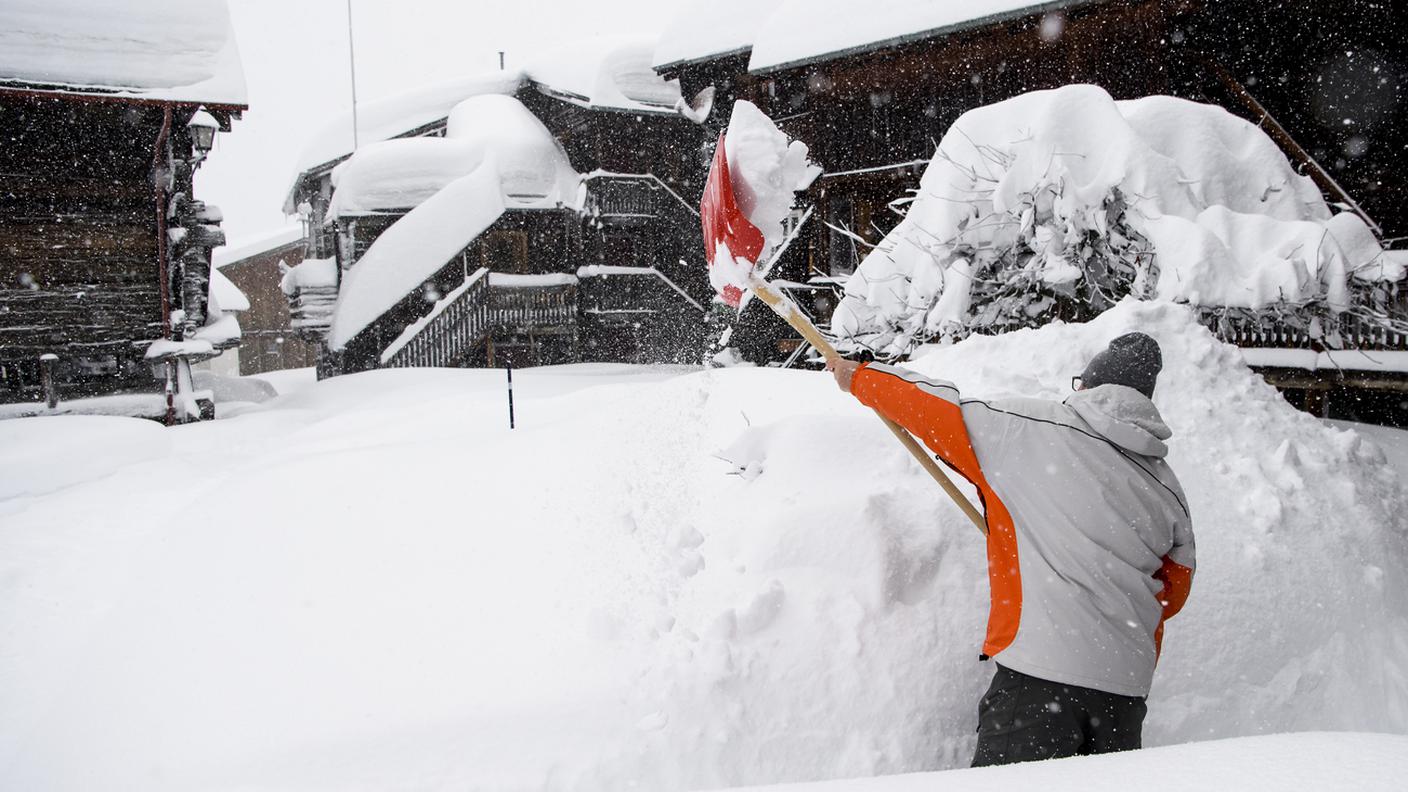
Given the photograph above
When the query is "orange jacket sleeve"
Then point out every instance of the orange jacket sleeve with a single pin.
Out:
(926, 409)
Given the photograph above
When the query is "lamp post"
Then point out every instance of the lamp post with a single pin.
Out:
(202, 128)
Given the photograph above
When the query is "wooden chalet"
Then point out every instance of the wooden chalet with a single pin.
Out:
(613, 271)
(104, 247)
(1323, 79)
(255, 269)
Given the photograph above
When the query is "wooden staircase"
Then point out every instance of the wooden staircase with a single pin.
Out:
(460, 322)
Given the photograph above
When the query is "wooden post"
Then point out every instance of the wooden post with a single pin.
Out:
(46, 379)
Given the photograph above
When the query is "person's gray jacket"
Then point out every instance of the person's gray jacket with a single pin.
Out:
(1090, 542)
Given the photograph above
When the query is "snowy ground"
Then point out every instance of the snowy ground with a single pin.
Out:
(663, 578)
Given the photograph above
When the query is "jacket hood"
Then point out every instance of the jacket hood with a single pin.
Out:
(1124, 416)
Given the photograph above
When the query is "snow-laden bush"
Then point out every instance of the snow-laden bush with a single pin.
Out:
(1057, 204)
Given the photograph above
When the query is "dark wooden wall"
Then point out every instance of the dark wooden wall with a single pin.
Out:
(78, 246)
(267, 343)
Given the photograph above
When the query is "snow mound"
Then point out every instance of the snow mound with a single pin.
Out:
(40, 455)
(1178, 200)
(1315, 760)
(666, 579)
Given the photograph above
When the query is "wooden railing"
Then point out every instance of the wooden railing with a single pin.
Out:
(1346, 331)
(457, 324)
(636, 195)
(516, 308)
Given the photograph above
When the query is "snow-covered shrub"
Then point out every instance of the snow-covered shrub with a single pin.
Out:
(1057, 204)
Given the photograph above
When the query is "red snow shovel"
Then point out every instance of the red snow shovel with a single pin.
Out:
(725, 226)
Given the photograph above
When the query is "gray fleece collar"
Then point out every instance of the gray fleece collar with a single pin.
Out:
(1124, 416)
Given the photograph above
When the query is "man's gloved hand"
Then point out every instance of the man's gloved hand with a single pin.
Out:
(844, 371)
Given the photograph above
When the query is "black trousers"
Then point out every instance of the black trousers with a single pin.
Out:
(1023, 719)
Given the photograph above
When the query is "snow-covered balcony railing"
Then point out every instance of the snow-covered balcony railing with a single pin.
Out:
(622, 294)
(458, 323)
(1371, 322)
(533, 302)
(628, 196)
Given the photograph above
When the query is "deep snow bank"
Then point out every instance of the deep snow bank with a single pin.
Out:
(659, 579)
(1165, 197)
(1345, 762)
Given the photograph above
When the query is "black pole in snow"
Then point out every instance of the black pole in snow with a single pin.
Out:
(510, 394)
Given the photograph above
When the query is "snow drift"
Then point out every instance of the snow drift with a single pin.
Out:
(1164, 197)
(662, 579)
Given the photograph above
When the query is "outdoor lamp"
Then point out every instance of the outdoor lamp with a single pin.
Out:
(202, 128)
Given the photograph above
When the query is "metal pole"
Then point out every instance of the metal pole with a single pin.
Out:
(501, 60)
(352, 67)
(509, 368)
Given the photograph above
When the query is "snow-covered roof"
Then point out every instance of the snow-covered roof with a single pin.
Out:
(415, 248)
(836, 26)
(168, 50)
(393, 116)
(229, 254)
(533, 168)
(400, 174)
(613, 77)
(783, 33)
(703, 29)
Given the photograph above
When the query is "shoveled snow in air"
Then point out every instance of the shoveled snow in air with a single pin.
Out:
(168, 50)
(662, 578)
(1203, 205)
(766, 169)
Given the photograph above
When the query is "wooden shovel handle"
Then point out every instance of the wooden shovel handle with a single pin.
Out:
(779, 303)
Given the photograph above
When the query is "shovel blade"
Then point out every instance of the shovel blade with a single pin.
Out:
(725, 224)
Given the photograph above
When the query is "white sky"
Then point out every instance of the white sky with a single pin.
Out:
(295, 64)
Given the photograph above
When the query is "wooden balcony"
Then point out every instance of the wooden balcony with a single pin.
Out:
(628, 197)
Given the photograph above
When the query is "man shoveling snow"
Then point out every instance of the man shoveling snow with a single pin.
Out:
(1090, 543)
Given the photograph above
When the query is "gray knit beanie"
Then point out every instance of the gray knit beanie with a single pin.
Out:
(1133, 359)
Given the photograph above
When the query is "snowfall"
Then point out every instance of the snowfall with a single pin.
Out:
(663, 578)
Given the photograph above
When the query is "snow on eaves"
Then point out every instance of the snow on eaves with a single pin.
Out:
(395, 116)
(230, 254)
(167, 50)
(835, 26)
(397, 175)
(415, 248)
(704, 29)
(782, 33)
(615, 77)
(611, 77)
